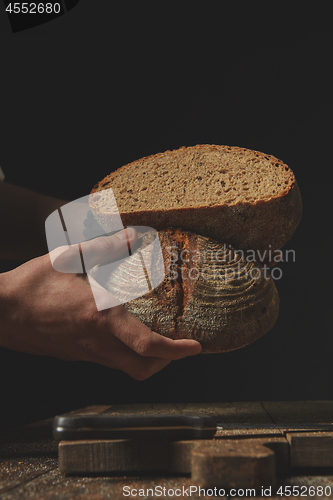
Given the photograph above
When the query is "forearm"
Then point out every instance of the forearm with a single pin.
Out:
(22, 221)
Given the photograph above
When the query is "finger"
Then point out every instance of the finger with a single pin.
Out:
(66, 259)
(107, 248)
(136, 366)
(114, 354)
(147, 343)
(144, 367)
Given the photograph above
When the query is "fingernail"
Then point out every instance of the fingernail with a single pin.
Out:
(122, 234)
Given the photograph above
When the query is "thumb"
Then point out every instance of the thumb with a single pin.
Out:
(107, 248)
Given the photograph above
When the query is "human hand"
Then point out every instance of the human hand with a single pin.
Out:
(51, 313)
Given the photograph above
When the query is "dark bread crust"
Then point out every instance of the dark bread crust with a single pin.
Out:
(220, 299)
(261, 225)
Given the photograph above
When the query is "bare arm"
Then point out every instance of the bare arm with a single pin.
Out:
(51, 313)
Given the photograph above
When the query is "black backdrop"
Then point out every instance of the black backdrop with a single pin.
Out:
(112, 81)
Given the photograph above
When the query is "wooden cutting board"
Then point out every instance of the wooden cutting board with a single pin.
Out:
(259, 442)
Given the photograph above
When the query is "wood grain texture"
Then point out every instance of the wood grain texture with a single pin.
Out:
(119, 455)
(180, 452)
(123, 456)
(311, 449)
(29, 466)
(302, 412)
(228, 464)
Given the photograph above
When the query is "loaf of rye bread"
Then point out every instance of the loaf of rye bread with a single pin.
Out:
(217, 195)
(234, 195)
(210, 293)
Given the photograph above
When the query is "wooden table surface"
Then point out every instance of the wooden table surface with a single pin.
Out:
(29, 455)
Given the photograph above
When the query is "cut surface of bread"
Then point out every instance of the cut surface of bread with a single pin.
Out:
(236, 195)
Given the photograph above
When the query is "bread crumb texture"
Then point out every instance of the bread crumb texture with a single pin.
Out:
(197, 176)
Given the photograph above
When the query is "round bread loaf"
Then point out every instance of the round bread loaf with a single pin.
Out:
(210, 292)
(235, 195)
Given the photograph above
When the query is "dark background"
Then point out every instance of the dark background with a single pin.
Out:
(112, 81)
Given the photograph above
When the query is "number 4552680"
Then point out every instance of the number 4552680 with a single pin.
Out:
(33, 8)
